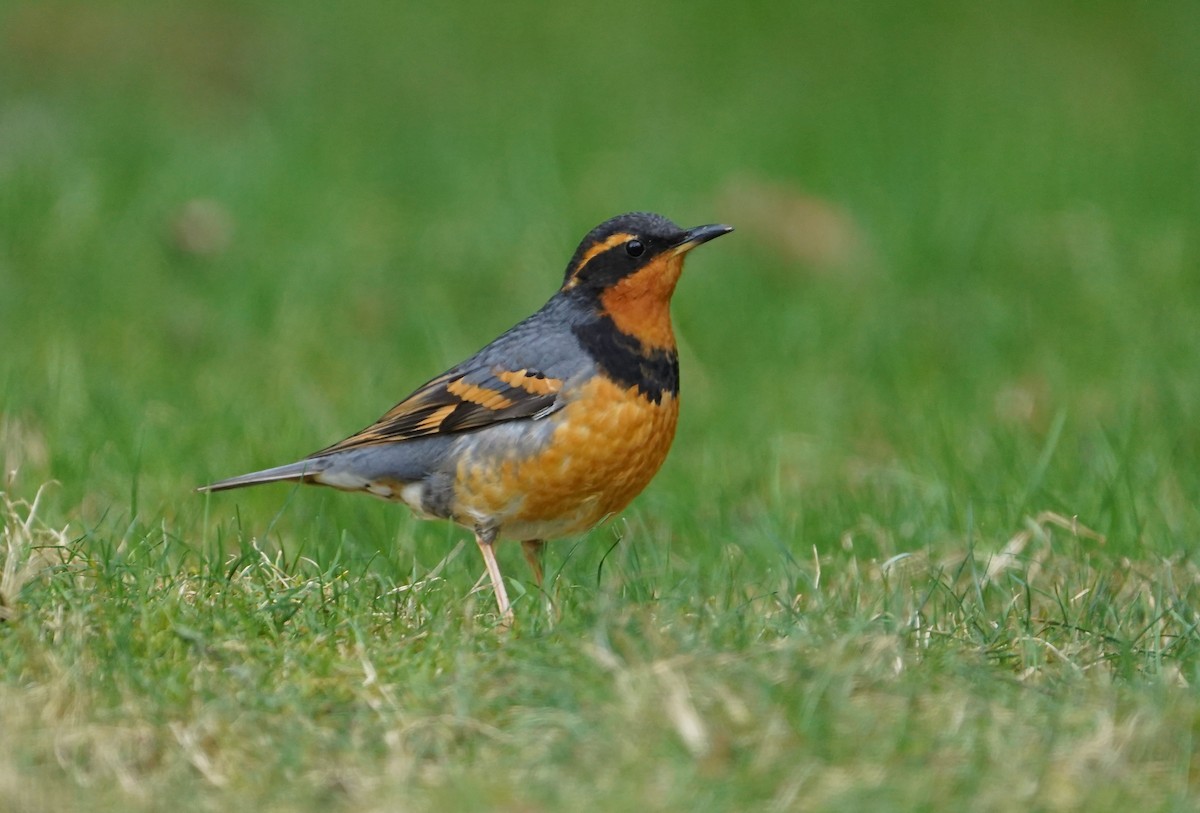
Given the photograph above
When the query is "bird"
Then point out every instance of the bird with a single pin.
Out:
(553, 427)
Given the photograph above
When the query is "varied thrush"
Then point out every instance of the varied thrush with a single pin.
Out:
(553, 427)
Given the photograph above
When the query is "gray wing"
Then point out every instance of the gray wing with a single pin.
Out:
(520, 375)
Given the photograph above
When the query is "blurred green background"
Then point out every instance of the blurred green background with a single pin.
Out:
(962, 292)
(233, 233)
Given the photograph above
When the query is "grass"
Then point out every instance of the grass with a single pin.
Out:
(926, 538)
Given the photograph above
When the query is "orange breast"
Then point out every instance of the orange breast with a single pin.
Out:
(607, 444)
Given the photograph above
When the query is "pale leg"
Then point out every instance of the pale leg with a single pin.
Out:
(486, 540)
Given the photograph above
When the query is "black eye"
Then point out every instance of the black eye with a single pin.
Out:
(634, 248)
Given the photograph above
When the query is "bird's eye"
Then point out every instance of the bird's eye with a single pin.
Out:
(634, 248)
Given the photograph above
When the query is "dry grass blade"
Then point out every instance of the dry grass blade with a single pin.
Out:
(23, 538)
(1036, 528)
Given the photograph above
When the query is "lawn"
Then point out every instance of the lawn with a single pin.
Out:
(927, 538)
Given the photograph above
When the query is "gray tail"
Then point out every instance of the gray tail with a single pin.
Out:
(302, 470)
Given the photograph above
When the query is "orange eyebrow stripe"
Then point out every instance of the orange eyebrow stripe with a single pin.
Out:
(530, 382)
(599, 248)
(489, 399)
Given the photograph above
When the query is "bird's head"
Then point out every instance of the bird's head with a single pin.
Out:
(627, 268)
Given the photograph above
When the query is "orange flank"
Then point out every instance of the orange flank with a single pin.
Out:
(610, 441)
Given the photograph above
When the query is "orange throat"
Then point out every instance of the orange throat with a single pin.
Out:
(640, 304)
